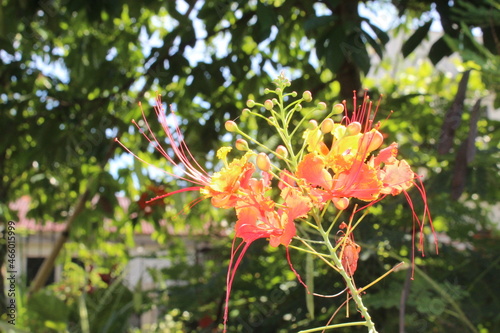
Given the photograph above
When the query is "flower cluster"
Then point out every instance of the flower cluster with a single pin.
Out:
(272, 190)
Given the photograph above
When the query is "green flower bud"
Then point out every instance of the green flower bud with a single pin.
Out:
(321, 106)
(307, 96)
(313, 124)
(250, 103)
(337, 109)
(268, 104)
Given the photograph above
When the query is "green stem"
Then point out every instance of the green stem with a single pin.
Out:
(356, 296)
(317, 329)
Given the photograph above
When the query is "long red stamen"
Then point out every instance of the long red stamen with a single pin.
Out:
(162, 170)
(420, 187)
(187, 189)
(196, 172)
(294, 271)
(231, 272)
(182, 151)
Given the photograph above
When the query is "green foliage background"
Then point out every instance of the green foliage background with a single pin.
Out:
(72, 73)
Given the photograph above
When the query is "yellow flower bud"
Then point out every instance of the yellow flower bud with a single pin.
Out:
(281, 151)
(327, 125)
(263, 162)
(241, 144)
(231, 126)
(374, 139)
(341, 203)
(354, 128)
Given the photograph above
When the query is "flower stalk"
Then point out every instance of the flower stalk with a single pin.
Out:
(353, 291)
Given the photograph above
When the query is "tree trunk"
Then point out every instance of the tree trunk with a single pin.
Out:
(349, 73)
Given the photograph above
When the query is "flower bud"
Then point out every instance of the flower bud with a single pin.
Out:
(307, 96)
(231, 126)
(268, 104)
(250, 103)
(337, 109)
(341, 203)
(353, 128)
(327, 125)
(313, 124)
(241, 144)
(321, 106)
(375, 140)
(293, 94)
(282, 152)
(263, 162)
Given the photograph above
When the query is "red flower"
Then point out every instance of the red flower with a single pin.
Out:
(258, 217)
(344, 169)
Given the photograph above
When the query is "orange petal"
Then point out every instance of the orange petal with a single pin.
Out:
(387, 155)
(396, 177)
(297, 205)
(312, 169)
(360, 182)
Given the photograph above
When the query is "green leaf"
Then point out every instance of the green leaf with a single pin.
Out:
(337, 48)
(416, 39)
(317, 22)
(381, 35)
(439, 50)
(376, 46)
(310, 284)
(266, 19)
(362, 60)
(46, 305)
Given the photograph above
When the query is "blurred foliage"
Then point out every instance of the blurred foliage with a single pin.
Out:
(72, 72)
